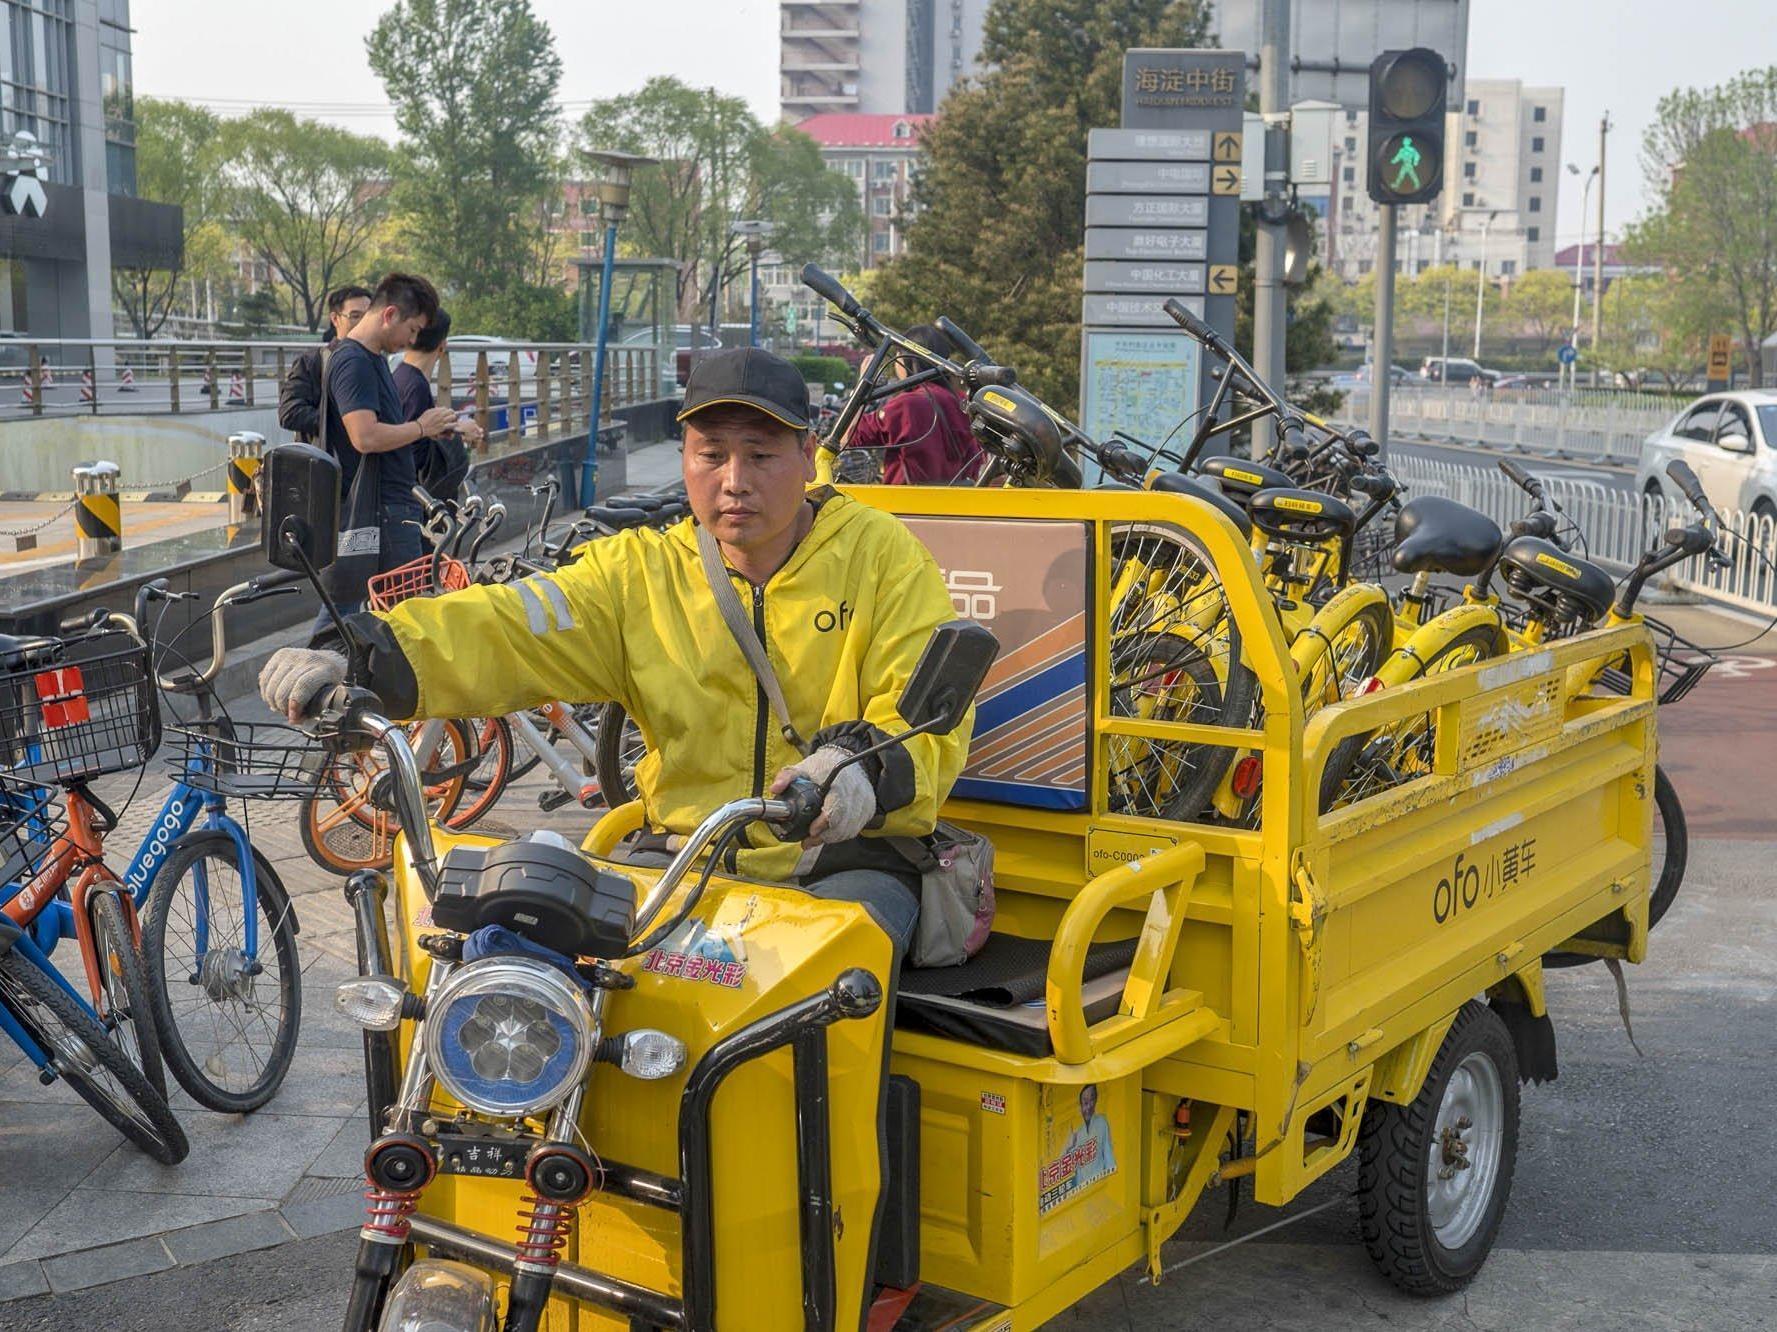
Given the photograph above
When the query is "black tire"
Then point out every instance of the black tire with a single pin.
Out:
(129, 994)
(183, 1003)
(111, 1084)
(620, 748)
(1405, 1150)
(1378, 625)
(1668, 823)
(1342, 763)
(1137, 659)
(486, 782)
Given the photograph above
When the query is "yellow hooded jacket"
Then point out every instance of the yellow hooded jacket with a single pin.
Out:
(634, 620)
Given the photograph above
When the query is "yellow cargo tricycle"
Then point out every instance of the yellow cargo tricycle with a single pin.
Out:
(731, 1111)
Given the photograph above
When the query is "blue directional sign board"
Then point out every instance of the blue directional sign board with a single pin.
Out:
(1567, 355)
(1162, 219)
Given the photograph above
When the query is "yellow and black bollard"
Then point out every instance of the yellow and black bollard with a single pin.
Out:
(245, 450)
(97, 514)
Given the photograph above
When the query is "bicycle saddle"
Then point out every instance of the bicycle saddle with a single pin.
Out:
(1437, 535)
(1542, 573)
(1240, 477)
(646, 503)
(1300, 515)
(1177, 483)
(17, 652)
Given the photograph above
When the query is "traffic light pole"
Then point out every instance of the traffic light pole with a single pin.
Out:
(1382, 357)
(1270, 303)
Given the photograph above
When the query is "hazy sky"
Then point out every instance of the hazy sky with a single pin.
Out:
(1620, 55)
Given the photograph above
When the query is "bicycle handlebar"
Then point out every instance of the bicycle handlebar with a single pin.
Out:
(1529, 484)
(964, 343)
(1686, 480)
(829, 288)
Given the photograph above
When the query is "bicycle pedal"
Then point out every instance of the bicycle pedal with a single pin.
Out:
(591, 797)
(550, 801)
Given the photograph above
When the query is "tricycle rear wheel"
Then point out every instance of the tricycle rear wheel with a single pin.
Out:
(1434, 1175)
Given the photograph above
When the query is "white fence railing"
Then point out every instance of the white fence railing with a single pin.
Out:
(1605, 426)
(1617, 525)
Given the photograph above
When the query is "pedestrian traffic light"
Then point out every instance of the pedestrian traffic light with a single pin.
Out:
(1407, 90)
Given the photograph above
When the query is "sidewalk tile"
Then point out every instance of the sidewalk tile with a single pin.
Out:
(232, 1156)
(18, 1280)
(344, 1156)
(220, 1239)
(325, 1215)
(22, 1209)
(115, 1262)
(89, 1217)
(50, 1146)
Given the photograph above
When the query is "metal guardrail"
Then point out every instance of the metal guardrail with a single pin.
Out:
(550, 382)
(1618, 526)
(1605, 425)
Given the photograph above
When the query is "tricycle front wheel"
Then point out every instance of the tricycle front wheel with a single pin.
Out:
(1434, 1175)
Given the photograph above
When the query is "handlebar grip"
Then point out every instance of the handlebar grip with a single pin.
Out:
(1686, 480)
(828, 288)
(804, 799)
(1293, 440)
(1521, 478)
(1124, 462)
(970, 349)
(1372, 484)
(428, 505)
(982, 375)
(1191, 323)
(80, 624)
(153, 590)
(1362, 443)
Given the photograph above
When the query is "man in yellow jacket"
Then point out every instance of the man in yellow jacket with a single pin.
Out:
(843, 596)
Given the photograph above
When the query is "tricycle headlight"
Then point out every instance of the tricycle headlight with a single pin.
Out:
(373, 1002)
(508, 1037)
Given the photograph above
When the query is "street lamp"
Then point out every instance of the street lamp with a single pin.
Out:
(1579, 254)
(755, 234)
(1480, 289)
(613, 195)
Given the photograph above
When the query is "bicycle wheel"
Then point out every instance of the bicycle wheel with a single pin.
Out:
(343, 826)
(621, 746)
(1353, 653)
(1160, 677)
(486, 782)
(82, 1053)
(1370, 762)
(228, 1022)
(1670, 851)
(129, 1004)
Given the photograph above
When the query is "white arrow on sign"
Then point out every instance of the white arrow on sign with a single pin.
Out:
(24, 196)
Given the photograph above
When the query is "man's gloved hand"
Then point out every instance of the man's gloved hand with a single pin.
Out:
(294, 680)
(850, 804)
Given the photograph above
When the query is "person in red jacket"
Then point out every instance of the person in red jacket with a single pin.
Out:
(923, 434)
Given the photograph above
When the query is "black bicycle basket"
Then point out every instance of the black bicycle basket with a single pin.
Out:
(247, 761)
(90, 710)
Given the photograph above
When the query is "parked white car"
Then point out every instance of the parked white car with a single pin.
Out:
(1730, 442)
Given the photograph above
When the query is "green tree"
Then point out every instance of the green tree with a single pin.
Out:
(1651, 323)
(996, 241)
(1539, 307)
(478, 171)
(1711, 162)
(306, 198)
(716, 164)
(178, 159)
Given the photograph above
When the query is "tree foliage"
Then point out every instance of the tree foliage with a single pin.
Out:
(996, 241)
(1710, 157)
(478, 172)
(178, 159)
(305, 198)
(716, 164)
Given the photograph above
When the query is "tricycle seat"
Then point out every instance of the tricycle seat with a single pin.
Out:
(996, 999)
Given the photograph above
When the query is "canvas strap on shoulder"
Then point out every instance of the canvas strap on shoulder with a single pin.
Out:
(734, 615)
(326, 364)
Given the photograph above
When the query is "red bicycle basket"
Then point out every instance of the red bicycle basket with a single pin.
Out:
(414, 579)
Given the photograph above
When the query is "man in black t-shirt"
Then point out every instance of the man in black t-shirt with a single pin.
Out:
(364, 413)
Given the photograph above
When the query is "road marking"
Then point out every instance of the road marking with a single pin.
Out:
(1739, 668)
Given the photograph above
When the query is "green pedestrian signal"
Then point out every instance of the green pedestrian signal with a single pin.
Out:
(1407, 98)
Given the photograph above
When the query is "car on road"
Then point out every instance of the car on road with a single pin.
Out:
(1455, 370)
(1730, 442)
(1360, 377)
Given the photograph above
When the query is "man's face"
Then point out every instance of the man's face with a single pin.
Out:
(745, 475)
(348, 315)
(1088, 1103)
(400, 330)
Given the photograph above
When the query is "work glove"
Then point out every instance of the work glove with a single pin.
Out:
(850, 804)
(295, 680)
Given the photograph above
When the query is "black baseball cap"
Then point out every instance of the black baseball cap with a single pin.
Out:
(748, 377)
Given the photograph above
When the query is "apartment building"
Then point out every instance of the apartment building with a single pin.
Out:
(874, 57)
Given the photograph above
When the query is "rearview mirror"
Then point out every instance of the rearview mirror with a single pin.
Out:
(1735, 443)
(301, 507)
(949, 673)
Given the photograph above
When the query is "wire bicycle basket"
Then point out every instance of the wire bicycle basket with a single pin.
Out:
(414, 579)
(31, 821)
(91, 710)
(247, 761)
(1681, 664)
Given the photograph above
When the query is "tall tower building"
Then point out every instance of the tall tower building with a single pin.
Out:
(875, 57)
